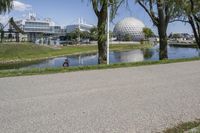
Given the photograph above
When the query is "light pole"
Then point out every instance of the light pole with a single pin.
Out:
(108, 34)
(79, 30)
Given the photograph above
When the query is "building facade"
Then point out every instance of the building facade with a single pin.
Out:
(81, 26)
(35, 28)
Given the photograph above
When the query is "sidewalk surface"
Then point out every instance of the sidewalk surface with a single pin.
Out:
(126, 100)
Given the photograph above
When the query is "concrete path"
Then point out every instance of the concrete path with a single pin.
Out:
(126, 100)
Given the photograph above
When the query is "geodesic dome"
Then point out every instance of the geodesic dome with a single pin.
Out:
(129, 26)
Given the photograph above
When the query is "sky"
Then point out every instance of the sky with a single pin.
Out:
(65, 12)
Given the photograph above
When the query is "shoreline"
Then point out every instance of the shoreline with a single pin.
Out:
(114, 47)
(42, 71)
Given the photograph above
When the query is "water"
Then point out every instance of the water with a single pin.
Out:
(117, 57)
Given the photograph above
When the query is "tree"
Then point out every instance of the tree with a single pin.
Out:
(71, 36)
(128, 37)
(190, 10)
(5, 6)
(148, 32)
(100, 9)
(1, 32)
(85, 35)
(161, 13)
(94, 34)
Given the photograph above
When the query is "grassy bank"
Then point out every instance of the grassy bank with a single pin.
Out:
(184, 45)
(26, 52)
(189, 127)
(8, 73)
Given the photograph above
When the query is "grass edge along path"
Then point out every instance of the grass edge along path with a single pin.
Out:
(184, 127)
(39, 71)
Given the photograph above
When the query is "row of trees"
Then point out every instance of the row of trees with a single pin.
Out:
(92, 34)
(148, 33)
(161, 12)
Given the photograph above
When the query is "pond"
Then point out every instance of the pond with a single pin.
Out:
(117, 57)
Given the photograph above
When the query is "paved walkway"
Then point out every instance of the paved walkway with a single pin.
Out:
(126, 100)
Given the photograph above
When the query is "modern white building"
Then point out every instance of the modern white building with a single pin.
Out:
(81, 26)
(129, 26)
(35, 28)
(181, 36)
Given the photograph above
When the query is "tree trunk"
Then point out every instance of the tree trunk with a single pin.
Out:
(17, 37)
(162, 31)
(163, 53)
(195, 31)
(102, 42)
(2, 36)
(102, 47)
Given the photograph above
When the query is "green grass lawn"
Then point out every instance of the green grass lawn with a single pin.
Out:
(11, 53)
(22, 52)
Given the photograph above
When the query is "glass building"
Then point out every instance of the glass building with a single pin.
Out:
(36, 26)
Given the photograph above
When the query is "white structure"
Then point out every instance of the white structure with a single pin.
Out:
(181, 37)
(81, 25)
(34, 25)
(129, 26)
(35, 28)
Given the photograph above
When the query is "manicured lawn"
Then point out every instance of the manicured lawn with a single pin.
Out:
(22, 52)
(11, 53)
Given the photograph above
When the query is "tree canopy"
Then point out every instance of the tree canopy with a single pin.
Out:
(190, 13)
(161, 12)
(148, 32)
(5, 6)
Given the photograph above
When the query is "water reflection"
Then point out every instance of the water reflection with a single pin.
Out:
(129, 56)
(115, 57)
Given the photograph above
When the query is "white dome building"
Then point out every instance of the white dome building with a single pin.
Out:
(129, 26)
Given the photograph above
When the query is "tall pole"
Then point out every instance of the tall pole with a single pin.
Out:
(79, 30)
(108, 35)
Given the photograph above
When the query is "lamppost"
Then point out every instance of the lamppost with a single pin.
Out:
(108, 34)
(79, 30)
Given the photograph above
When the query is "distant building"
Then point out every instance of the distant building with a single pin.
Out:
(45, 31)
(131, 27)
(35, 28)
(81, 26)
(181, 37)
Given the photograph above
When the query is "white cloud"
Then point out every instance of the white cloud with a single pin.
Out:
(4, 19)
(19, 6)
